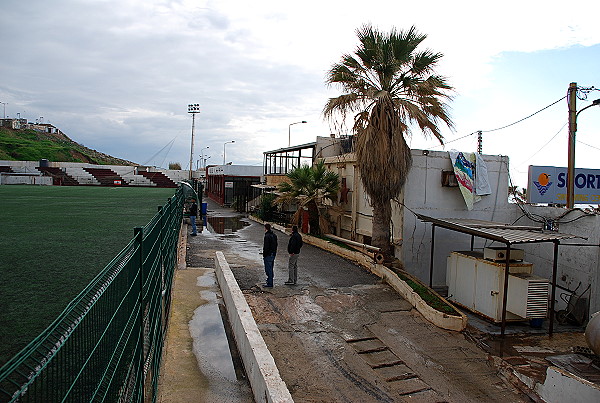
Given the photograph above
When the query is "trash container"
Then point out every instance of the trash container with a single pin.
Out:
(204, 208)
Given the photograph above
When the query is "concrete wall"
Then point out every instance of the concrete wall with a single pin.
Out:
(425, 195)
(127, 172)
(263, 375)
(353, 218)
(578, 266)
(15, 179)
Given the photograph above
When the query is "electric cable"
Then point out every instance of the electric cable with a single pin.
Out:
(452, 141)
(589, 145)
(525, 118)
(542, 147)
(533, 217)
(499, 128)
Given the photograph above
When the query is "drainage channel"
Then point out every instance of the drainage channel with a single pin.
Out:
(214, 348)
(201, 362)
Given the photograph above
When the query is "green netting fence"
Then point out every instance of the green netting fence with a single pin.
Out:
(107, 343)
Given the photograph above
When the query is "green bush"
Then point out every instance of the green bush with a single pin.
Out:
(266, 207)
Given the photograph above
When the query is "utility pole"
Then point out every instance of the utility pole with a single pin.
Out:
(479, 142)
(572, 98)
(4, 104)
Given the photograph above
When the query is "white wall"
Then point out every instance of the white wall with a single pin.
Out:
(577, 265)
(425, 195)
(12, 179)
(236, 170)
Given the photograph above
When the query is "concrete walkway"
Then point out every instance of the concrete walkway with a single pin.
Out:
(342, 335)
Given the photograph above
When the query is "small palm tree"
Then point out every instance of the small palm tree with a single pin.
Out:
(388, 86)
(310, 186)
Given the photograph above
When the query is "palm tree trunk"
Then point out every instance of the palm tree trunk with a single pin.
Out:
(313, 218)
(382, 215)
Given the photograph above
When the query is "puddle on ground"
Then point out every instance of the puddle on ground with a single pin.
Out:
(222, 225)
(225, 228)
(212, 350)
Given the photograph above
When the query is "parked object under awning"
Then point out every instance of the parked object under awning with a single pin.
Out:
(503, 233)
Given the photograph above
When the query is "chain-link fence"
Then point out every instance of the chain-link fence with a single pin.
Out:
(107, 344)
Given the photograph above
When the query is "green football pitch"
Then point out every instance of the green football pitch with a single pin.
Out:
(53, 241)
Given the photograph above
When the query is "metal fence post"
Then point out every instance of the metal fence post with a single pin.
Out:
(139, 240)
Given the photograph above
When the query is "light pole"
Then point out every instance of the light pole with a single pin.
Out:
(572, 131)
(4, 104)
(290, 131)
(193, 109)
(224, 144)
(205, 161)
(202, 153)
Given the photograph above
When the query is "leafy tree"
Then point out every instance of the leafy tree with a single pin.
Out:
(389, 86)
(174, 165)
(309, 187)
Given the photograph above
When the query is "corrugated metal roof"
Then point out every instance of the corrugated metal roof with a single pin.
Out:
(499, 232)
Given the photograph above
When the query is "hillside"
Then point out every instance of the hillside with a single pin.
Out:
(31, 145)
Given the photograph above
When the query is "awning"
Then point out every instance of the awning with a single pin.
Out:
(262, 186)
(507, 234)
(499, 232)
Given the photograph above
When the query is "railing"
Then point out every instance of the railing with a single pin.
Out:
(107, 344)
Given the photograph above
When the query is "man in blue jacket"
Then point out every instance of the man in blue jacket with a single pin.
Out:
(269, 252)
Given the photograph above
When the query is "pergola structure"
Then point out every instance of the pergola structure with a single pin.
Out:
(283, 160)
(508, 235)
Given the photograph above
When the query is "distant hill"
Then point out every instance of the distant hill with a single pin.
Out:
(31, 145)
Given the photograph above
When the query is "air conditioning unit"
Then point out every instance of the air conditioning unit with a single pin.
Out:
(527, 295)
(478, 285)
(499, 253)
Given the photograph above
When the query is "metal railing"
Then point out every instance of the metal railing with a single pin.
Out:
(107, 343)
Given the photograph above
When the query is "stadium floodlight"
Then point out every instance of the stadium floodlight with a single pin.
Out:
(193, 109)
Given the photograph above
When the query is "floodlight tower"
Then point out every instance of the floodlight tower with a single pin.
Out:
(193, 109)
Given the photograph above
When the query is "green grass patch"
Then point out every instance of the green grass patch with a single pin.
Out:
(31, 145)
(430, 298)
(53, 241)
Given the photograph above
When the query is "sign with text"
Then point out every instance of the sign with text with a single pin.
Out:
(228, 185)
(549, 185)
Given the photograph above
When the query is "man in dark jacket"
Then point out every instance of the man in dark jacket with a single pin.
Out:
(294, 245)
(193, 214)
(269, 252)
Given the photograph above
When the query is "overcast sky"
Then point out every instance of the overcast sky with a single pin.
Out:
(117, 76)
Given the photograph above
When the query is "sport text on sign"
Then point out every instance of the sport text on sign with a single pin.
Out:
(547, 184)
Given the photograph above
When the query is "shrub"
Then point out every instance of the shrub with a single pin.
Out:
(266, 207)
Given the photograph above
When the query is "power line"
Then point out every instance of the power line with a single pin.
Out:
(525, 118)
(503, 127)
(542, 147)
(585, 144)
(453, 140)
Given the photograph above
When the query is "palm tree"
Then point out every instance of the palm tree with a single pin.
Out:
(310, 186)
(389, 86)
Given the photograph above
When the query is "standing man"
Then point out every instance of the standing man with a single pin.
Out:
(193, 214)
(269, 252)
(294, 246)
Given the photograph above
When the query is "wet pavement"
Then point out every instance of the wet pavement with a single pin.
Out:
(343, 335)
(200, 364)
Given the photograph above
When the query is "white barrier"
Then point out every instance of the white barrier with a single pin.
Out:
(266, 383)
